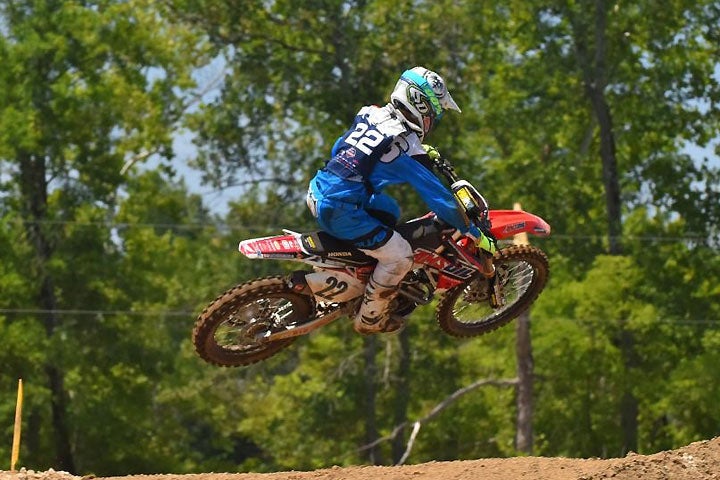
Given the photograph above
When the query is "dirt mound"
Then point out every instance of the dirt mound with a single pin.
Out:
(700, 460)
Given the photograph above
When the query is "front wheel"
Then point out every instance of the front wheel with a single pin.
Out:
(466, 310)
(229, 332)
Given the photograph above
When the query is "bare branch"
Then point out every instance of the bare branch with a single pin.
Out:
(210, 86)
(411, 441)
(133, 160)
(435, 412)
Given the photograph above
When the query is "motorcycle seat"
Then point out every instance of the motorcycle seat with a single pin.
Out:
(325, 245)
(424, 232)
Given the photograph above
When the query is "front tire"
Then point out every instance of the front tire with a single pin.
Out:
(227, 333)
(465, 310)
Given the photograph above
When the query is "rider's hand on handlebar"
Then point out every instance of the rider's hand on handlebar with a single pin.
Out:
(486, 242)
(431, 151)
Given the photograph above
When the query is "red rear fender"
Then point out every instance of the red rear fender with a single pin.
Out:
(506, 223)
(280, 246)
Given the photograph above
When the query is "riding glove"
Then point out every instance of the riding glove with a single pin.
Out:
(482, 240)
(431, 151)
(486, 242)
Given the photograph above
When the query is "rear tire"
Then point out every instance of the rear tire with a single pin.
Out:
(227, 332)
(465, 310)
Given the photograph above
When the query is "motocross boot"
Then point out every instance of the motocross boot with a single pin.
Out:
(373, 315)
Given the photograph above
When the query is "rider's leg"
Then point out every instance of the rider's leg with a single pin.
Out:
(394, 257)
(384, 208)
(369, 234)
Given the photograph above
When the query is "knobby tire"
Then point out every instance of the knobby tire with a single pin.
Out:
(248, 296)
(522, 258)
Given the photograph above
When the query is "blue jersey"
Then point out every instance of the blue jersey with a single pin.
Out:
(375, 152)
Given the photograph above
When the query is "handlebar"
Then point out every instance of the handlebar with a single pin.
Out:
(472, 203)
(446, 169)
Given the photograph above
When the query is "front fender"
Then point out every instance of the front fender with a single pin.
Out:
(506, 223)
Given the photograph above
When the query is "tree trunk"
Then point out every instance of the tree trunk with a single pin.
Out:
(595, 79)
(402, 397)
(524, 389)
(592, 62)
(63, 448)
(609, 168)
(370, 347)
(525, 377)
(629, 405)
(34, 194)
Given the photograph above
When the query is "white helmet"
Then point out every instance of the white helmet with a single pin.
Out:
(421, 95)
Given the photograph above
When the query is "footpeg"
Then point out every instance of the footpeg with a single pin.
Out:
(298, 283)
(395, 324)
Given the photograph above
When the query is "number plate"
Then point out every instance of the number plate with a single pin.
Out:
(334, 286)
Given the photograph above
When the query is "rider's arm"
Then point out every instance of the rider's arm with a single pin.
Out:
(335, 146)
(413, 166)
(437, 196)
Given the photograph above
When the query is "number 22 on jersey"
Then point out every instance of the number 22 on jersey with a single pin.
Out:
(364, 138)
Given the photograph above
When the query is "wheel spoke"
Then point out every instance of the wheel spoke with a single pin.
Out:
(521, 272)
(235, 328)
(243, 329)
(514, 277)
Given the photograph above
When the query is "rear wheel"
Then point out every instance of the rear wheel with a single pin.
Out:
(229, 332)
(466, 310)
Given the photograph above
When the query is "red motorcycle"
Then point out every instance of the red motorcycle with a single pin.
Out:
(476, 292)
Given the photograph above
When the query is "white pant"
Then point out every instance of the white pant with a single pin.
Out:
(394, 261)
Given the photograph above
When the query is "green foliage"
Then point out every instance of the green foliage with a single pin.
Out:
(580, 365)
(85, 90)
(129, 258)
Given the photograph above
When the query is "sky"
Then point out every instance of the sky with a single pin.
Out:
(217, 201)
(211, 76)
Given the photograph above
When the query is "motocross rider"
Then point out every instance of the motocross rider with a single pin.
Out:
(384, 146)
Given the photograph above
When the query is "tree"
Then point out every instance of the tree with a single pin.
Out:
(101, 269)
(590, 63)
(574, 108)
(85, 88)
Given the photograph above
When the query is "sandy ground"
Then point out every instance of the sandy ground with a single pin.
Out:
(699, 460)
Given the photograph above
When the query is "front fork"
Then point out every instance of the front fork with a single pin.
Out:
(495, 287)
(497, 299)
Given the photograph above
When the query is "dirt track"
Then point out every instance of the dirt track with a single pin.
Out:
(700, 460)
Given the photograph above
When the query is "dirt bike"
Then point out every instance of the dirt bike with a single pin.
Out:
(477, 292)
